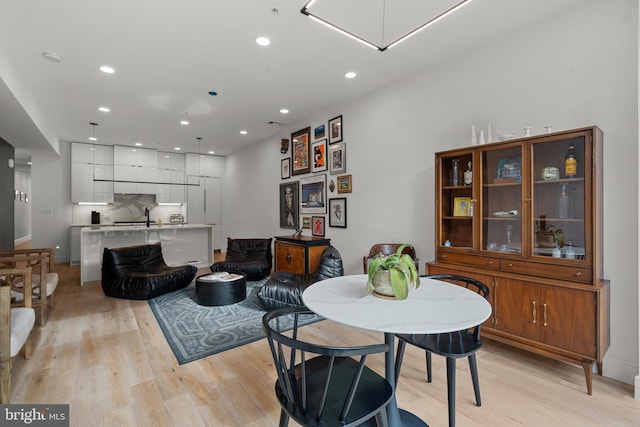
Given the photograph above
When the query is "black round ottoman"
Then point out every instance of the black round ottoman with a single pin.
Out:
(221, 289)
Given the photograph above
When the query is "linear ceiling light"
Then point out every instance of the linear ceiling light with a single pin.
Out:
(381, 46)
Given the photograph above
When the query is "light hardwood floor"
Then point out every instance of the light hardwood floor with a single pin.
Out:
(109, 360)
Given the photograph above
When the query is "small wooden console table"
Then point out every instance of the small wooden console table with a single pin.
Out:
(299, 254)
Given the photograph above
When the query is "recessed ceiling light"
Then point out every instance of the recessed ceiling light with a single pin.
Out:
(213, 93)
(104, 109)
(107, 69)
(138, 144)
(29, 163)
(166, 156)
(184, 122)
(243, 132)
(177, 148)
(284, 111)
(350, 74)
(93, 138)
(211, 152)
(263, 41)
(53, 57)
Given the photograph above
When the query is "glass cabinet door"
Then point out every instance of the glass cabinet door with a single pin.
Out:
(502, 213)
(457, 201)
(558, 198)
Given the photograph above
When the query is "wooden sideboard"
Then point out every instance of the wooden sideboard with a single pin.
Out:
(299, 254)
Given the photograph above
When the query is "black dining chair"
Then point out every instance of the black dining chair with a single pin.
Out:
(452, 345)
(320, 385)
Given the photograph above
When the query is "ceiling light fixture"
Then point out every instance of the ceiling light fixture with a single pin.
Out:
(284, 111)
(350, 74)
(93, 132)
(107, 69)
(379, 46)
(138, 144)
(53, 57)
(263, 41)
(243, 132)
(177, 148)
(211, 152)
(184, 122)
(104, 109)
(213, 93)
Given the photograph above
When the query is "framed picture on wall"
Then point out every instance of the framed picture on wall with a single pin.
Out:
(285, 168)
(319, 156)
(317, 226)
(335, 130)
(306, 222)
(337, 159)
(301, 149)
(318, 133)
(313, 194)
(338, 212)
(344, 184)
(289, 216)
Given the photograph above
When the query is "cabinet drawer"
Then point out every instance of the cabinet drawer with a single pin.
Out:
(290, 258)
(562, 272)
(470, 260)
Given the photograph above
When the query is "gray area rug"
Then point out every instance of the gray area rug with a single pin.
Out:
(194, 331)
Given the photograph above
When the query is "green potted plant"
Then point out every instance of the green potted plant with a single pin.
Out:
(550, 237)
(393, 275)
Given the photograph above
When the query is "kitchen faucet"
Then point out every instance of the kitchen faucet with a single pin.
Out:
(146, 213)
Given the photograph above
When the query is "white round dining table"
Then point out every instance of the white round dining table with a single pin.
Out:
(434, 307)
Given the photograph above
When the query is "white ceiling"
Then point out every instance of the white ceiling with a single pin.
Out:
(169, 54)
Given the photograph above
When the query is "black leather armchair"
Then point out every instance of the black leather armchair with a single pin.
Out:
(139, 272)
(249, 256)
(285, 289)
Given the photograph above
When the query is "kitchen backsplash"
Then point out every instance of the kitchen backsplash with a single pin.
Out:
(126, 207)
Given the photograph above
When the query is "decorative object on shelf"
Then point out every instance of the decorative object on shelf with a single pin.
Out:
(447, 243)
(550, 173)
(474, 140)
(301, 151)
(549, 237)
(319, 158)
(344, 184)
(317, 226)
(454, 175)
(335, 130)
(570, 253)
(285, 168)
(461, 206)
(289, 216)
(338, 212)
(393, 275)
(468, 175)
(284, 145)
(337, 158)
(556, 253)
(506, 135)
(489, 133)
(313, 195)
(332, 185)
(570, 162)
(548, 128)
(527, 131)
(564, 201)
(319, 133)
(510, 167)
(482, 140)
(508, 231)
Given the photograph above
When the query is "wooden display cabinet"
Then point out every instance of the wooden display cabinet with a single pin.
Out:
(299, 254)
(549, 300)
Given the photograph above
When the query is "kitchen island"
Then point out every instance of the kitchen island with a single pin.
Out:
(181, 244)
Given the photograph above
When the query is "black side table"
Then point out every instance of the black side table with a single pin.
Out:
(221, 289)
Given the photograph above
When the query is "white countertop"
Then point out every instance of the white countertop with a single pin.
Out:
(141, 227)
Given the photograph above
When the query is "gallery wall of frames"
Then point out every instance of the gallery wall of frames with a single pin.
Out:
(314, 171)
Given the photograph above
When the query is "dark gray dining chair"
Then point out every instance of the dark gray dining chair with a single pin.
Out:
(452, 345)
(320, 385)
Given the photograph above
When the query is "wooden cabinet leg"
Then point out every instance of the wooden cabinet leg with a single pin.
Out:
(599, 366)
(588, 374)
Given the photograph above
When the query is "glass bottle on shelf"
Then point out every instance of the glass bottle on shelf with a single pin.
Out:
(570, 162)
(454, 177)
(563, 201)
(468, 175)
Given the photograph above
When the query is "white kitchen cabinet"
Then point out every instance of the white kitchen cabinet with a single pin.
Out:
(204, 202)
(204, 165)
(135, 170)
(134, 156)
(91, 173)
(171, 178)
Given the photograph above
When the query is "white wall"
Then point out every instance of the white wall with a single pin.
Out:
(577, 69)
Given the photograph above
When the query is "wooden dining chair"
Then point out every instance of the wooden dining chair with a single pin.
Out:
(387, 249)
(44, 278)
(319, 385)
(16, 325)
(452, 345)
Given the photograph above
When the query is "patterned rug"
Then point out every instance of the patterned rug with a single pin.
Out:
(195, 331)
